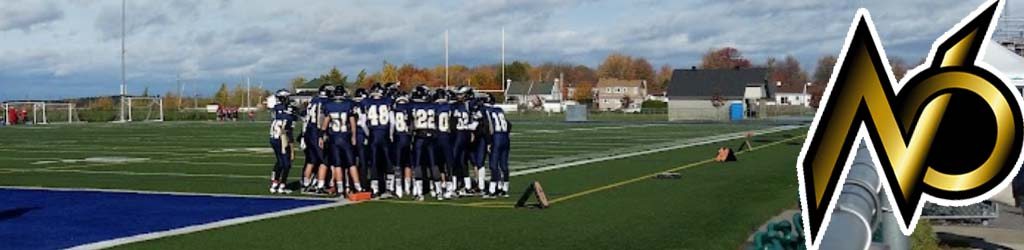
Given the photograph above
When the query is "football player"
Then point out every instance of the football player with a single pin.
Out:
(313, 149)
(361, 135)
(499, 132)
(424, 126)
(480, 141)
(339, 122)
(378, 114)
(402, 137)
(464, 126)
(281, 141)
(443, 143)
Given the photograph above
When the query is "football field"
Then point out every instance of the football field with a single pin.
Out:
(598, 176)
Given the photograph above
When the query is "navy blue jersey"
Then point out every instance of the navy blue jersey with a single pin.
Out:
(401, 119)
(378, 113)
(497, 122)
(479, 121)
(444, 113)
(283, 123)
(424, 118)
(340, 114)
(465, 119)
(314, 112)
(360, 112)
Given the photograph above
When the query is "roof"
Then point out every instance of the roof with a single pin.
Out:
(1007, 62)
(530, 88)
(313, 84)
(615, 82)
(704, 83)
(790, 88)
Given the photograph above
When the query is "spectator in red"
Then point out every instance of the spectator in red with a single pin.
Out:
(12, 116)
(24, 116)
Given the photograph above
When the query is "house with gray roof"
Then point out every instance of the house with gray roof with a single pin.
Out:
(706, 94)
(531, 93)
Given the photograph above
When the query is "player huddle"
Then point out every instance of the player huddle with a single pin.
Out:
(394, 144)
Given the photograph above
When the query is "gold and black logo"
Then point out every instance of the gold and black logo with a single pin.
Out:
(950, 134)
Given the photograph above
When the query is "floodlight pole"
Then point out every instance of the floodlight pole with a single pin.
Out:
(502, 82)
(248, 91)
(446, 59)
(123, 84)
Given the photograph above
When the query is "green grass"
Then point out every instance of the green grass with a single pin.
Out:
(713, 205)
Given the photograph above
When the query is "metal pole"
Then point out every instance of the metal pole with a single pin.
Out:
(124, 87)
(502, 82)
(71, 108)
(129, 108)
(161, 109)
(248, 91)
(180, 88)
(859, 209)
(446, 59)
(45, 121)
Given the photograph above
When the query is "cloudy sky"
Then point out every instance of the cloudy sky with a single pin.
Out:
(65, 48)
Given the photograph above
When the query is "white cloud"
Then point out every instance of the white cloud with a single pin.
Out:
(26, 15)
(220, 41)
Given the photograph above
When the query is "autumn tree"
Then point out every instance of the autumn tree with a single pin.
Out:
(388, 73)
(788, 72)
(335, 77)
(643, 70)
(724, 58)
(616, 65)
(296, 82)
(103, 103)
(584, 92)
(361, 79)
(516, 71)
(823, 72)
(661, 81)
(222, 97)
(899, 67)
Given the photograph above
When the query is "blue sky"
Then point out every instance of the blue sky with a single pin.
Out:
(63, 48)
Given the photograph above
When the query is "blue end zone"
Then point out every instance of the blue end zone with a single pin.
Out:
(44, 219)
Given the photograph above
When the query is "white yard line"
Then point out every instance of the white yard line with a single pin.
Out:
(128, 173)
(696, 142)
(127, 191)
(207, 226)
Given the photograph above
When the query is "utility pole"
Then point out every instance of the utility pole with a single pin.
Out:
(180, 88)
(446, 59)
(124, 87)
(248, 90)
(502, 82)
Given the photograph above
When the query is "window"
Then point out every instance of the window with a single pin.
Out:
(608, 90)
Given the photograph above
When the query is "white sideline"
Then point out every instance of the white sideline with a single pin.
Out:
(129, 173)
(207, 226)
(710, 139)
(128, 191)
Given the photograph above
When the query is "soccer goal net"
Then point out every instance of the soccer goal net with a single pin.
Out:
(144, 109)
(39, 112)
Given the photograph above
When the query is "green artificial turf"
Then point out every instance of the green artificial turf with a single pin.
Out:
(712, 206)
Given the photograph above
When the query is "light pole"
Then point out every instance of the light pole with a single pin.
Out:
(124, 87)
(807, 98)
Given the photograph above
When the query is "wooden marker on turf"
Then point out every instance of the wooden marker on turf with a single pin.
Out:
(534, 189)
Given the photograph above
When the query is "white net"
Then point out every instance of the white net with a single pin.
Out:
(144, 109)
(40, 112)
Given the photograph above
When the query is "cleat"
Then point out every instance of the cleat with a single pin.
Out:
(419, 198)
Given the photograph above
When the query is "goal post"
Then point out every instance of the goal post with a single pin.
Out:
(144, 108)
(42, 112)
